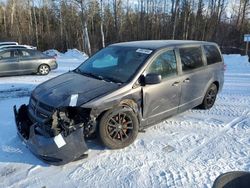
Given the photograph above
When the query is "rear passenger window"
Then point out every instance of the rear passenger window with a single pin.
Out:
(24, 53)
(191, 58)
(212, 54)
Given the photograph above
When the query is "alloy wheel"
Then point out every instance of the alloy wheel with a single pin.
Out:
(120, 127)
(44, 69)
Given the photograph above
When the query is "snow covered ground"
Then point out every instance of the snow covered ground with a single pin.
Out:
(188, 150)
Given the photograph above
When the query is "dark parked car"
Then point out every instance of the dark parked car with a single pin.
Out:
(118, 92)
(17, 61)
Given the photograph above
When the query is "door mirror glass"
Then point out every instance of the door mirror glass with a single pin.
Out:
(152, 78)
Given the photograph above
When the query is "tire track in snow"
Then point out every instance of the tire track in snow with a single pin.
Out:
(96, 172)
(212, 143)
(185, 160)
(231, 124)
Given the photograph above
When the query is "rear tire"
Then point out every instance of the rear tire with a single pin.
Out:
(210, 97)
(118, 128)
(43, 69)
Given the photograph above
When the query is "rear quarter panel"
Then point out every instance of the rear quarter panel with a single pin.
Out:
(216, 73)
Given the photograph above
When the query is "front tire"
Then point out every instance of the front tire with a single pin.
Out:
(118, 128)
(43, 69)
(210, 97)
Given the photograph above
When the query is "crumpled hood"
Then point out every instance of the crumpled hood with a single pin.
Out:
(57, 91)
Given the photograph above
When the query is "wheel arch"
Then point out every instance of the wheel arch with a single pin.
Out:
(217, 84)
(125, 103)
(202, 105)
(209, 83)
(126, 107)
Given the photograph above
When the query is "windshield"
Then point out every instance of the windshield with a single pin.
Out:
(117, 64)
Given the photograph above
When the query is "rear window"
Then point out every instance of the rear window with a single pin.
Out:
(212, 54)
(191, 58)
(34, 53)
(24, 53)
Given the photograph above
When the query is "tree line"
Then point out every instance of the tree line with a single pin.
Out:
(92, 24)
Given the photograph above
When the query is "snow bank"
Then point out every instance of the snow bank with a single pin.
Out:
(53, 52)
(74, 53)
(71, 56)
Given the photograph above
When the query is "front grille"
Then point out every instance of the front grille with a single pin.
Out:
(46, 107)
(33, 102)
(40, 110)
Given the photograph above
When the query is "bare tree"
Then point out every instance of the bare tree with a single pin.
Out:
(35, 23)
(92, 24)
(102, 32)
(84, 20)
(175, 9)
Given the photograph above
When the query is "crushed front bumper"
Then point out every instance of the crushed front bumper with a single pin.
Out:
(49, 149)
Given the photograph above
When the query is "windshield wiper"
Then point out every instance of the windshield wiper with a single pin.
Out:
(106, 78)
(110, 79)
(89, 74)
(94, 76)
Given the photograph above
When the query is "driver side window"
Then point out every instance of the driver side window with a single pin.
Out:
(164, 64)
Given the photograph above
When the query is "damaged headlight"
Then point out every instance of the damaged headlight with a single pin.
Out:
(65, 120)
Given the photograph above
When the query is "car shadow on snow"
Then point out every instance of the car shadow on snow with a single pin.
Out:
(94, 144)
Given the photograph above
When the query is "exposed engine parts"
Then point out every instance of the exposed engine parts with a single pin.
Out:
(60, 138)
(64, 120)
(68, 119)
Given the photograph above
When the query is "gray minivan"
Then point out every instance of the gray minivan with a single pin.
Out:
(118, 92)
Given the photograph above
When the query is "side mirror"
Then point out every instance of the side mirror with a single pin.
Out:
(152, 78)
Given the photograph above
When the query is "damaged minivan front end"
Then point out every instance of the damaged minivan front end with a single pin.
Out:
(57, 139)
(54, 124)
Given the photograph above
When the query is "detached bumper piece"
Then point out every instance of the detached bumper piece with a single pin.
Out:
(57, 149)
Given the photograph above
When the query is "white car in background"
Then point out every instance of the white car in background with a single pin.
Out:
(3, 47)
(8, 43)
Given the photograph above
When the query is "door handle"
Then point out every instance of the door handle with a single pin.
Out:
(186, 80)
(175, 84)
